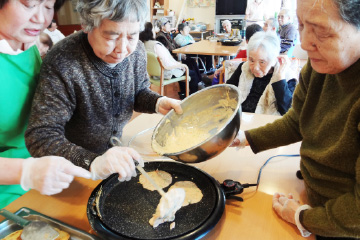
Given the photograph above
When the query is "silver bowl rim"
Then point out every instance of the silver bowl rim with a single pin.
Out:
(212, 136)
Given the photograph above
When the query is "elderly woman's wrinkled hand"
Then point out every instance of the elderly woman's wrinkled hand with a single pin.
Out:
(283, 66)
(165, 104)
(285, 207)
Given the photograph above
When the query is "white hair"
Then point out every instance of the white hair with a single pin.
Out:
(92, 12)
(268, 41)
(226, 22)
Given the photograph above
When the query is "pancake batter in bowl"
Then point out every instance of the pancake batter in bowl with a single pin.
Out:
(196, 128)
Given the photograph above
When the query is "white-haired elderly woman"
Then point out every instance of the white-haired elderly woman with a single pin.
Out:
(231, 32)
(90, 84)
(325, 116)
(265, 80)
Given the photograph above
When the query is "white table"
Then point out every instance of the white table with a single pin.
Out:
(253, 218)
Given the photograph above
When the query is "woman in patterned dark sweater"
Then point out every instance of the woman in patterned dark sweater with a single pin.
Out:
(90, 84)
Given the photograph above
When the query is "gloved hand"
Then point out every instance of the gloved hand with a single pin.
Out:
(240, 140)
(49, 175)
(165, 104)
(116, 160)
(285, 207)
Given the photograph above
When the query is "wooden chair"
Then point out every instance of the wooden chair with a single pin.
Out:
(229, 67)
(155, 68)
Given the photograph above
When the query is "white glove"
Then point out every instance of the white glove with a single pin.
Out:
(240, 140)
(165, 104)
(116, 160)
(49, 175)
(285, 207)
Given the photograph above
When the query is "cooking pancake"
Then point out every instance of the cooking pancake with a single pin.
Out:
(126, 207)
(161, 178)
(192, 193)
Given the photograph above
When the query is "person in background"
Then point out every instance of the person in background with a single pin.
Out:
(271, 25)
(288, 32)
(231, 32)
(151, 45)
(19, 66)
(44, 44)
(255, 12)
(325, 118)
(53, 32)
(78, 109)
(266, 81)
(183, 38)
(250, 30)
(164, 36)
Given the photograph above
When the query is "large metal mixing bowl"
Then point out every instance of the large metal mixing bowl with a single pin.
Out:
(208, 106)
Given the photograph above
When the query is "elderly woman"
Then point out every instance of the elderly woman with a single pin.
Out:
(22, 23)
(231, 32)
(151, 45)
(265, 81)
(90, 84)
(325, 117)
(184, 38)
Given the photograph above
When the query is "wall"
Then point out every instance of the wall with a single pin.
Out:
(67, 14)
(200, 14)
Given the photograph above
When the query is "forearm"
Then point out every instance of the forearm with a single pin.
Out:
(10, 171)
(283, 93)
(53, 106)
(145, 101)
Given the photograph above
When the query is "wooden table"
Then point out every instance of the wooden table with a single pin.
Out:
(251, 219)
(206, 47)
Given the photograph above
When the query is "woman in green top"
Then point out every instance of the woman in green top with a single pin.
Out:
(21, 23)
(325, 116)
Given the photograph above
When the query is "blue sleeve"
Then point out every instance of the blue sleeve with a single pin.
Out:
(283, 93)
(180, 40)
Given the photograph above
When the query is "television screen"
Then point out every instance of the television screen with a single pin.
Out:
(230, 7)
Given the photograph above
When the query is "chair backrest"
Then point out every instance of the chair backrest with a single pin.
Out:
(153, 66)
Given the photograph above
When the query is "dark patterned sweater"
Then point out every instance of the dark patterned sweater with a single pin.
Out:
(81, 101)
(325, 116)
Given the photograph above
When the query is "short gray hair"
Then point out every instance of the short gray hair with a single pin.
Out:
(92, 12)
(225, 22)
(268, 41)
(349, 11)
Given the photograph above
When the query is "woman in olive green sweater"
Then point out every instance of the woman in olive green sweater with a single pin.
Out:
(325, 116)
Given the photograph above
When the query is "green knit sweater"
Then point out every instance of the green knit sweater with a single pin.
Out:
(325, 116)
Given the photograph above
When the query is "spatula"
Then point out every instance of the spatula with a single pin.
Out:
(33, 230)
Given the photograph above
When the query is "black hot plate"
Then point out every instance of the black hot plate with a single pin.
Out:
(124, 208)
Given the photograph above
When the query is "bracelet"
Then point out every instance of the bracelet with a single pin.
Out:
(303, 231)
